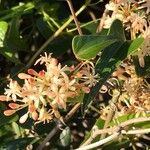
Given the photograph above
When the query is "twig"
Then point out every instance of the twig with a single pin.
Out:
(139, 131)
(74, 16)
(54, 36)
(101, 24)
(115, 128)
(96, 144)
(58, 126)
(72, 111)
(114, 100)
(99, 143)
(49, 136)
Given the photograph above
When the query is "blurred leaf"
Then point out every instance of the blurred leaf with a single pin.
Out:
(88, 46)
(60, 45)
(100, 123)
(43, 27)
(6, 119)
(6, 134)
(9, 54)
(13, 39)
(21, 143)
(117, 30)
(3, 30)
(65, 137)
(142, 71)
(15, 70)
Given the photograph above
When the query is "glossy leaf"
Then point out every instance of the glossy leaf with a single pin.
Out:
(88, 46)
(108, 62)
(117, 30)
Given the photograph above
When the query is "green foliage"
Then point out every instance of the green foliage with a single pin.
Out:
(111, 57)
(28, 28)
(88, 46)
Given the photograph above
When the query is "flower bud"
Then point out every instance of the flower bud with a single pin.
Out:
(3, 98)
(9, 112)
(13, 105)
(23, 118)
(34, 115)
(32, 72)
(24, 76)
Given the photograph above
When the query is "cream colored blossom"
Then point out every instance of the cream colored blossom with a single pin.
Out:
(13, 90)
(48, 89)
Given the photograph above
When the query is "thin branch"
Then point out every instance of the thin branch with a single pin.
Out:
(102, 21)
(139, 131)
(114, 129)
(74, 16)
(96, 144)
(111, 112)
(72, 111)
(49, 136)
(135, 120)
(56, 34)
(99, 143)
(58, 126)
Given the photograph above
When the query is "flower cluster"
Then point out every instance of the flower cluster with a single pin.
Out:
(134, 96)
(45, 92)
(135, 21)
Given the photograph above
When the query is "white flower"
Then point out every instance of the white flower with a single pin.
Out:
(13, 91)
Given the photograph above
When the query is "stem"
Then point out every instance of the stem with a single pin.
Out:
(99, 143)
(49, 136)
(58, 126)
(139, 131)
(53, 37)
(74, 17)
(101, 24)
(111, 112)
(117, 129)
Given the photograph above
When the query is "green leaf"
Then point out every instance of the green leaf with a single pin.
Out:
(3, 30)
(65, 137)
(13, 39)
(121, 119)
(110, 59)
(126, 117)
(135, 44)
(117, 30)
(88, 46)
